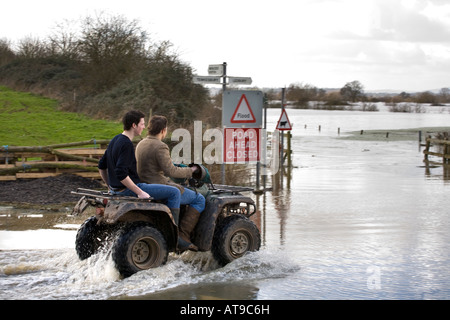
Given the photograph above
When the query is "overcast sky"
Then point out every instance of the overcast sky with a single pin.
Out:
(384, 44)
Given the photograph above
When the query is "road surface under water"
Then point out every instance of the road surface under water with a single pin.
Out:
(353, 219)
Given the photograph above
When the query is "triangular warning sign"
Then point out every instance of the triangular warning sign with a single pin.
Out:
(243, 112)
(283, 122)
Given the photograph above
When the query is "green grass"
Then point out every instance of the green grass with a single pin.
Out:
(31, 120)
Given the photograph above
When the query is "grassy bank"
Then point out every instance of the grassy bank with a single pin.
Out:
(31, 120)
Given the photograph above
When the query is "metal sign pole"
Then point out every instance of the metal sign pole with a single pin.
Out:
(217, 72)
(283, 97)
(224, 87)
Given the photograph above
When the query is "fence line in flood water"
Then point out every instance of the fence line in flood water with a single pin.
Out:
(444, 145)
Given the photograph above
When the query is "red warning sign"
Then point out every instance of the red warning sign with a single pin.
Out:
(242, 145)
(243, 112)
(283, 122)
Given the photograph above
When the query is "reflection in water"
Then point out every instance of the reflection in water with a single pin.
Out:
(361, 220)
(432, 173)
(281, 202)
(208, 291)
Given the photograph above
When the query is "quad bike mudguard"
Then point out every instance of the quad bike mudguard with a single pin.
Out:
(129, 209)
(116, 209)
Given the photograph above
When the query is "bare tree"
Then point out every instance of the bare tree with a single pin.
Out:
(302, 93)
(64, 40)
(444, 95)
(6, 53)
(112, 48)
(30, 47)
(425, 97)
(352, 91)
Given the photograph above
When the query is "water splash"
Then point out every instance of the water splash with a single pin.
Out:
(59, 274)
(191, 269)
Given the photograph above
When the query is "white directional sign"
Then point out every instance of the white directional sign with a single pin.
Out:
(215, 69)
(240, 80)
(206, 79)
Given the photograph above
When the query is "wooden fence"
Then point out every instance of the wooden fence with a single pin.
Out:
(443, 152)
(38, 162)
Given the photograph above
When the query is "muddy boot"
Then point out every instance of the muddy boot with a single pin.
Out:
(187, 224)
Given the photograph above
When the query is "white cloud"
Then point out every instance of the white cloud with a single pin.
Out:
(396, 22)
(393, 44)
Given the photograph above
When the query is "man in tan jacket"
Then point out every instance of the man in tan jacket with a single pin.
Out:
(154, 165)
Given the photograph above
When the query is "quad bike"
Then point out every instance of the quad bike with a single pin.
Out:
(143, 231)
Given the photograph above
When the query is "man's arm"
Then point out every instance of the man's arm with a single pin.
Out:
(167, 166)
(127, 182)
(102, 169)
(104, 175)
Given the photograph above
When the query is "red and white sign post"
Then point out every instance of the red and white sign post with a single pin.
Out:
(241, 119)
(242, 145)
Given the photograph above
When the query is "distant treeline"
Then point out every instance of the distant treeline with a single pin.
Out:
(301, 94)
(107, 67)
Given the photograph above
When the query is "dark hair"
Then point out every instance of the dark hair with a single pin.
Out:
(133, 116)
(156, 124)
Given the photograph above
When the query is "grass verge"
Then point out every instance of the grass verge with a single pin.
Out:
(30, 120)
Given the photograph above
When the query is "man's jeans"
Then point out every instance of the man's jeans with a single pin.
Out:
(170, 194)
(193, 199)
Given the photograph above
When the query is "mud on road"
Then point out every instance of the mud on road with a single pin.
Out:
(45, 191)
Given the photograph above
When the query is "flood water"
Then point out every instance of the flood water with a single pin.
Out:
(353, 219)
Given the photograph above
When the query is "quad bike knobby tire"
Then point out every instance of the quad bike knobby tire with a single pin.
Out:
(90, 237)
(139, 246)
(235, 236)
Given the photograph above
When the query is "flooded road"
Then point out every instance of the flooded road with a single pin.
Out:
(353, 219)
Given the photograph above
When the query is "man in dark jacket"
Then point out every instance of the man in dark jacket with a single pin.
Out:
(118, 170)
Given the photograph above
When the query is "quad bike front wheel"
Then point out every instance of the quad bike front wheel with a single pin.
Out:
(233, 238)
(139, 246)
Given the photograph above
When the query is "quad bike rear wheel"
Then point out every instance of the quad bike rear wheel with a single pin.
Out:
(139, 246)
(90, 237)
